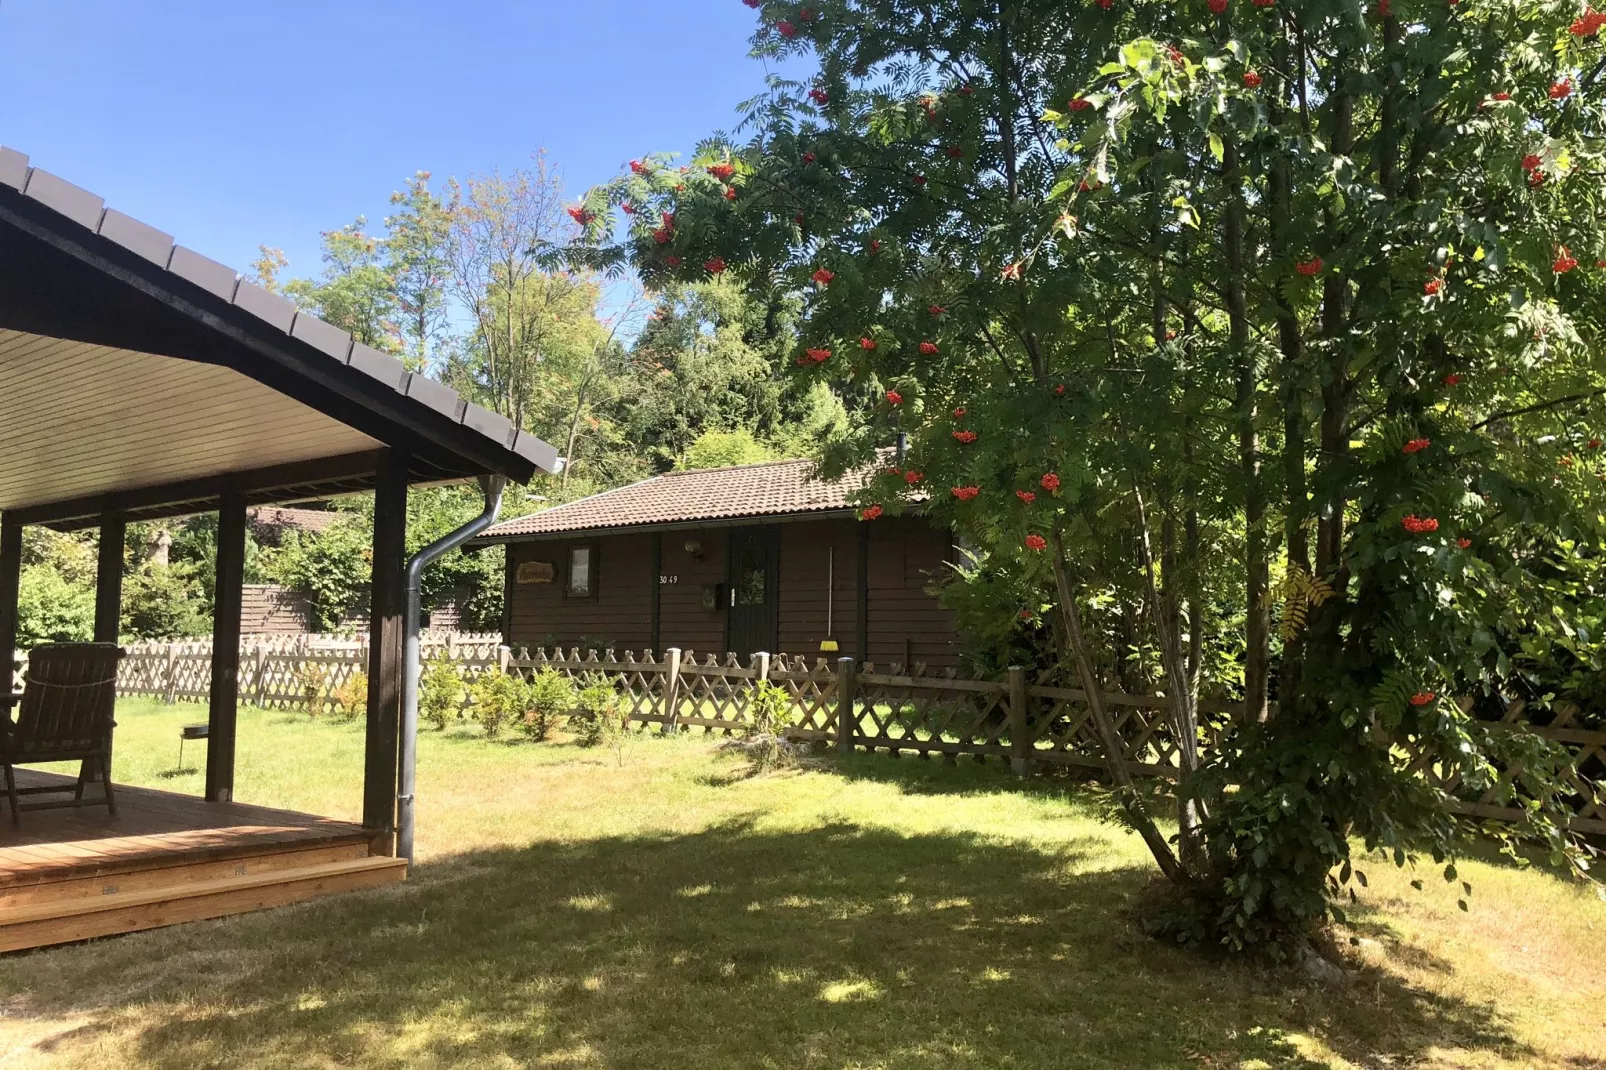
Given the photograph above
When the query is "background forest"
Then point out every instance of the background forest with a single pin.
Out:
(461, 282)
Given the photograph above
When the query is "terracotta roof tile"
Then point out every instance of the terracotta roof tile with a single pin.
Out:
(278, 516)
(776, 488)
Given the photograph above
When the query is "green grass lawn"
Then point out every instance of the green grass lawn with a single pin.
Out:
(670, 911)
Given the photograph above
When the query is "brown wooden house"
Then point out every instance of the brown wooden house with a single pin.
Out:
(759, 557)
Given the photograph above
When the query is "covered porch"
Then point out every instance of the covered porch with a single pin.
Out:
(140, 380)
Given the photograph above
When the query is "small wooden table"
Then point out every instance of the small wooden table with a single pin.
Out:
(190, 731)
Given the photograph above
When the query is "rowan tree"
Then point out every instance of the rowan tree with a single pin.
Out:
(1275, 320)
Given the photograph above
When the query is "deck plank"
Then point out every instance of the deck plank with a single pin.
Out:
(152, 828)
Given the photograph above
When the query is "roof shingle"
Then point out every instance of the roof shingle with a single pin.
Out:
(775, 488)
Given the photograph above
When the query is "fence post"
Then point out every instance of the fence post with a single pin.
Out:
(171, 695)
(504, 654)
(846, 722)
(672, 689)
(761, 662)
(1020, 741)
(261, 671)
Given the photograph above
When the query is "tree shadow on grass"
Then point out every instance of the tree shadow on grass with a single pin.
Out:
(939, 774)
(732, 947)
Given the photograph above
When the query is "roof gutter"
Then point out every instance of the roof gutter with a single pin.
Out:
(492, 487)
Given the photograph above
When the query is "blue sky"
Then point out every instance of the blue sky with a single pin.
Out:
(230, 123)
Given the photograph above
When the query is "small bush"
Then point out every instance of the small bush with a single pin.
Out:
(767, 746)
(771, 706)
(499, 697)
(314, 682)
(440, 691)
(598, 720)
(351, 697)
(548, 695)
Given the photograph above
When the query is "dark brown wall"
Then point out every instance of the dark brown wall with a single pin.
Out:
(683, 622)
(806, 560)
(621, 614)
(905, 623)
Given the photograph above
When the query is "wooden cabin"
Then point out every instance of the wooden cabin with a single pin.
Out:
(758, 557)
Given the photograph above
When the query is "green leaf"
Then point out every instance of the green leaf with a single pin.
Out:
(1217, 148)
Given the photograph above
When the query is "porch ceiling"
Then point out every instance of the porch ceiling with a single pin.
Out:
(78, 420)
(139, 378)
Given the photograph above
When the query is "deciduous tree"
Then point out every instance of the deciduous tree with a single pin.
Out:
(1316, 286)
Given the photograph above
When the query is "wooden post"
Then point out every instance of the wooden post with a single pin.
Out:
(170, 695)
(510, 572)
(388, 602)
(10, 589)
(225, 691)
(761, 662)
(672, 689)
(108, 597)
(1020, 741)
(504, 658)
(261, 670)
(109, 578)
(846, 721)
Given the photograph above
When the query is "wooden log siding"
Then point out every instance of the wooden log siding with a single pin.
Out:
(908, 627)
(683, 620)
(896, 713)
(811, 554)
(878, 594)
(620, 613)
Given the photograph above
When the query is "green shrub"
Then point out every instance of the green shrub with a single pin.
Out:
(548, 695)
(314, 683)
(164, 602)
(771, 707)
(351, 697)
(499, 697)
(440, 691)
(598, 720)
(52, 610)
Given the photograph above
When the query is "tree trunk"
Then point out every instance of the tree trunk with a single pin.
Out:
(1257, 637)
(1180, 698)
(1081, 655)
(1285, 246)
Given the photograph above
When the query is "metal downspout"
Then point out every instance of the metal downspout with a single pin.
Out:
(491, 487)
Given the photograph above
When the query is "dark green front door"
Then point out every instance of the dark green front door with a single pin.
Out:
(754, 617)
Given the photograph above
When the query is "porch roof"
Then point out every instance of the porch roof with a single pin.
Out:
(140, 378)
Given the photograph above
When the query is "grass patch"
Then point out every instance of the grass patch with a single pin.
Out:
(669, 912)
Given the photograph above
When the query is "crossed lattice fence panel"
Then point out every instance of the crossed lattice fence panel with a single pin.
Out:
(311, 682)
(1500, 797)
(638, 681)
(813, 693)
(715, 695)
(932, 715)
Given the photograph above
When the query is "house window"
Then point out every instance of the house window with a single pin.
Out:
(581, 581)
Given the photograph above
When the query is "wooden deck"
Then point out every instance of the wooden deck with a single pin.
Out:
(72, 874)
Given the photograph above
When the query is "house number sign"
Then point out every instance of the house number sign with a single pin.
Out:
(667, 578)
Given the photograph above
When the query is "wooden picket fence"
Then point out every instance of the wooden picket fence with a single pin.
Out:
(278, 671)
(1030, 725)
